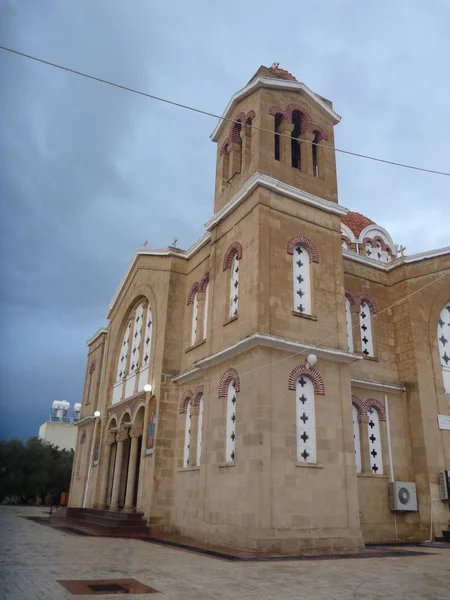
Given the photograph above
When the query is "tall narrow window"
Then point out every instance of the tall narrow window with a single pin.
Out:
(302, 280)
(231, 261)
(234, 287)
(200, 431)
(278, 120)
(315, 157)
(444, 345)
(295, 144)
(365, 325)
(194, 319)
(373, 432)
(306, 421)
(231, 422)
(369, 250)
(134, 363)
(348, 317)
(205, 316)
(146, 350)
(187, 436)
(122, 365)
(356, 439)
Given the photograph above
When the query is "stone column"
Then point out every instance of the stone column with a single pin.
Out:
(105, 459)
(117, 473)
(363, 421)
(131, 479)
(306, 152)
(285, 130)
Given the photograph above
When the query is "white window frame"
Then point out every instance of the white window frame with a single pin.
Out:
(305, 420)
(301, 278)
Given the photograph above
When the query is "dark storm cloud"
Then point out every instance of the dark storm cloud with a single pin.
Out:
(89, 172)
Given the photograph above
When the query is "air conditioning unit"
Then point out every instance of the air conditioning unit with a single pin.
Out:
(444, 485)
(403, 496)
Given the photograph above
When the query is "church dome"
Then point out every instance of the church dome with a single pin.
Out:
(363, 236)
(356, 222)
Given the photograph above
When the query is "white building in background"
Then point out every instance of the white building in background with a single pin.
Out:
(60, 430)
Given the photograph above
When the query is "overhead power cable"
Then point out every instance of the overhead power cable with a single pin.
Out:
(220, 118)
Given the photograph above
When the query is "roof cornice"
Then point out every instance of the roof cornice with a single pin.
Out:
(267, 341)
(273, 83)
(96, 335)
(275, 185)
(379, 386)
(370, 262)
(170, 251)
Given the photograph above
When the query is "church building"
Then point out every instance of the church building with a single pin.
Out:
(284, 384)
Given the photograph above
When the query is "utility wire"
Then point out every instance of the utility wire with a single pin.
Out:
(220, 118)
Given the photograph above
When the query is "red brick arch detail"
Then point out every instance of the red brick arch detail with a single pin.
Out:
(185, 399)
(195, 287)
(353, 298)
(320, 133)
(204, 282)
(310, 372)
(346, 239)
(359, 404)
(300, 240)
(234, 250)
(276, 110)
(306, 123)
(92, 367)
(230, 374)
(198, 393)
(377, 405)
(234, 132)
(83, 436)
(368, 300)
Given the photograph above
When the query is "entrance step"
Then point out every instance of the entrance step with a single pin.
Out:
(111, 521)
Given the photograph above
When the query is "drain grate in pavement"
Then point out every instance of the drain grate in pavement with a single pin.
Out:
(93, 587)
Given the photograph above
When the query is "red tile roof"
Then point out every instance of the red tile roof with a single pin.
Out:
(282, 72)
(356, 222)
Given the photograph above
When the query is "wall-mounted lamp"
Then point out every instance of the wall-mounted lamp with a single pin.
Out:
(311, 360)
(97, 414)
(148, 388)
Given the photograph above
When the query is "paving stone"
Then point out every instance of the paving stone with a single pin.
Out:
(33, 557)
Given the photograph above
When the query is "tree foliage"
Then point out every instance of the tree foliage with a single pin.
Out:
(34, 469)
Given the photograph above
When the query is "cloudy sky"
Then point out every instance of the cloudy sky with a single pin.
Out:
(87, 172)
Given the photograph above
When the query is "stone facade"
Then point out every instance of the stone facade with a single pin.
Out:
(243, 441)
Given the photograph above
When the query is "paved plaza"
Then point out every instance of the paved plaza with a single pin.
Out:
(34, 557)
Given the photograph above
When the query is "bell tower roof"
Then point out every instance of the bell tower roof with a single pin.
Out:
(278, 79)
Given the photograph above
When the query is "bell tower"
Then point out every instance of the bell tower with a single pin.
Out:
(278, 127)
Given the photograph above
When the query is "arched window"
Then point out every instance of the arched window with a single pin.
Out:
(302, 280)
(194, 319)
(185, 408)
(278, 121)
(134, 356)
(145, 364)
(205, 315)
(349, 324)
(231, 422)
(229, 387)
(303, 253)
(444, 345)
(374, 435)
(306, 421)
(232, 261)
(365, 325)
(356, 439)
(369, 250)
(187, 435)
(296, 156)
(315, 156)
(200, 429)
(307, 383)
